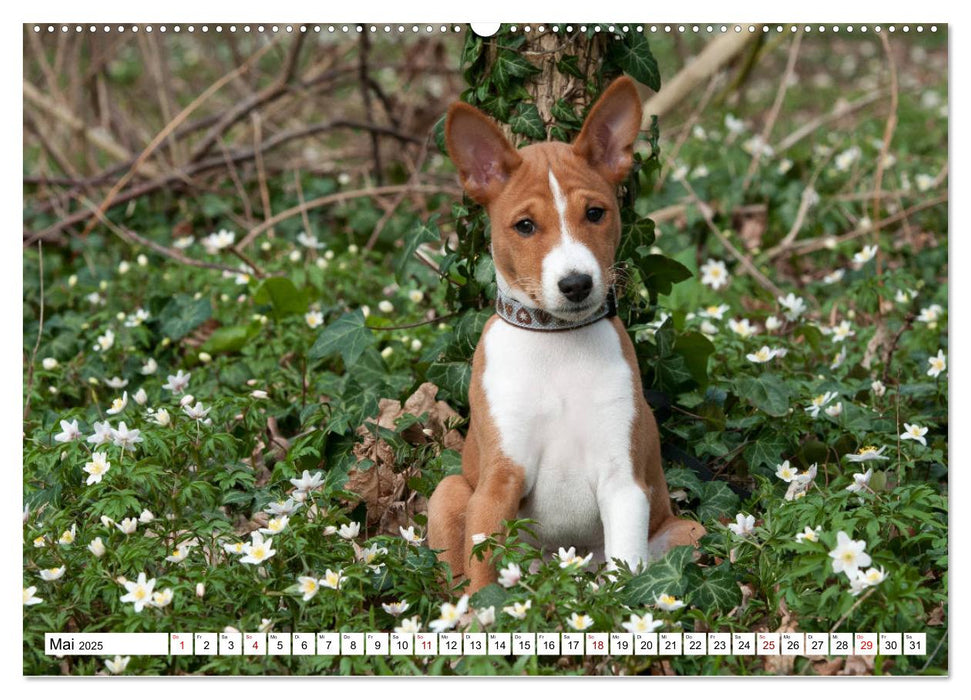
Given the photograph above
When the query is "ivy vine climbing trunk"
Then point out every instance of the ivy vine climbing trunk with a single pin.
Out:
(539, 86)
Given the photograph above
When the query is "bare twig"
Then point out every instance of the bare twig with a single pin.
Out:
(339, 197)
(133, 238)
(362, 65)
(95, 136)
(853, 607)
(747, 264)
(300, 200)
(716, 54)
(805, 201)
(182, 176)
(885, 147)
(168, 129)
(416, 172)
(260, 171)
(239, 112)
(40, 331)
(243, 197)
(780, 95)
(436, 319)
(818, 244)
(686, 130)
(841, 109)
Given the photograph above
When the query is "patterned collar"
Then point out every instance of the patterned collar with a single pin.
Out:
(533, 319)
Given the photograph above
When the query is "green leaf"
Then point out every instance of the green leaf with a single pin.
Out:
(767, 392)
(492, 595)
(661, 576)
(660, 272)
(438, 133)
(714, 588)
(766, 450)
(230, 338)
(564, 113)
(526, 121)
(452, 378)
(680, 478)
(510, 65)
(347, 335)
(569, 65)
(282, 295)
(633, 55)
(695, 349)
(183, 314)
(717, 499)
(638, 234)
(422, 233)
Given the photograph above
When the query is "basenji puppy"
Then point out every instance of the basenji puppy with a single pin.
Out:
(559, 429)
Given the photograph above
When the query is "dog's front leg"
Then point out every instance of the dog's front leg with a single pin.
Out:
(625, 513)
(496, 498)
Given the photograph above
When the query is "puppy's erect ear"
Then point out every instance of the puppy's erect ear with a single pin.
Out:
(483, 156)
(607, 138)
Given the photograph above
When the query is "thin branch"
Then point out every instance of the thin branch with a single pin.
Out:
(840, 109)
(812, 246)
(705, 210)
(885, 147)
(260, 171)
(339, 197)
(364, 44)
(40, 331)
(239, 112)
(182, 176)
(133, 238)
(780, 95)
(169, 128)
(300, 201)
(416, 172)
(62, 114)
(436, 319)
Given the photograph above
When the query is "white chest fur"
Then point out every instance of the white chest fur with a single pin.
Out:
(563, 404)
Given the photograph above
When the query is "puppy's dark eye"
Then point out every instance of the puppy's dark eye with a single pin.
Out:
(525, 227)
(595, 214)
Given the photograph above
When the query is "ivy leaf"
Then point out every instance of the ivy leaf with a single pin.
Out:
(347, 335)
(183, 314)
(452, 378)
(282, 295)
(662, 576)
(230, 338)
(526, 121)
(681, 478)
(510, 65)
(660, 272)
(766, 450)
(633, 55)
(695, 348)
(563, 112)
(714, 588)
(766, 392)
(422, 233)
(717, 499)
(569, 65)
(438, 133)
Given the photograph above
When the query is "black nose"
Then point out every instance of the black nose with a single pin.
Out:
(576, 286)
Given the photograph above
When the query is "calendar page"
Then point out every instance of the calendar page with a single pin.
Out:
(270, 426)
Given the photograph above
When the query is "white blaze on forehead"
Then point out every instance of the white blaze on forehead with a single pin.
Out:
(567, 257)
(559, 200)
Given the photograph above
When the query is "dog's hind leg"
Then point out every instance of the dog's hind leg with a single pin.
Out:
(674, 532)
(446, 521)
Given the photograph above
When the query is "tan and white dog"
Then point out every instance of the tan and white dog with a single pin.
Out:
(559, 431)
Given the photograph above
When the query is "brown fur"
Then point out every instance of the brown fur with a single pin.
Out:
(514, 185)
